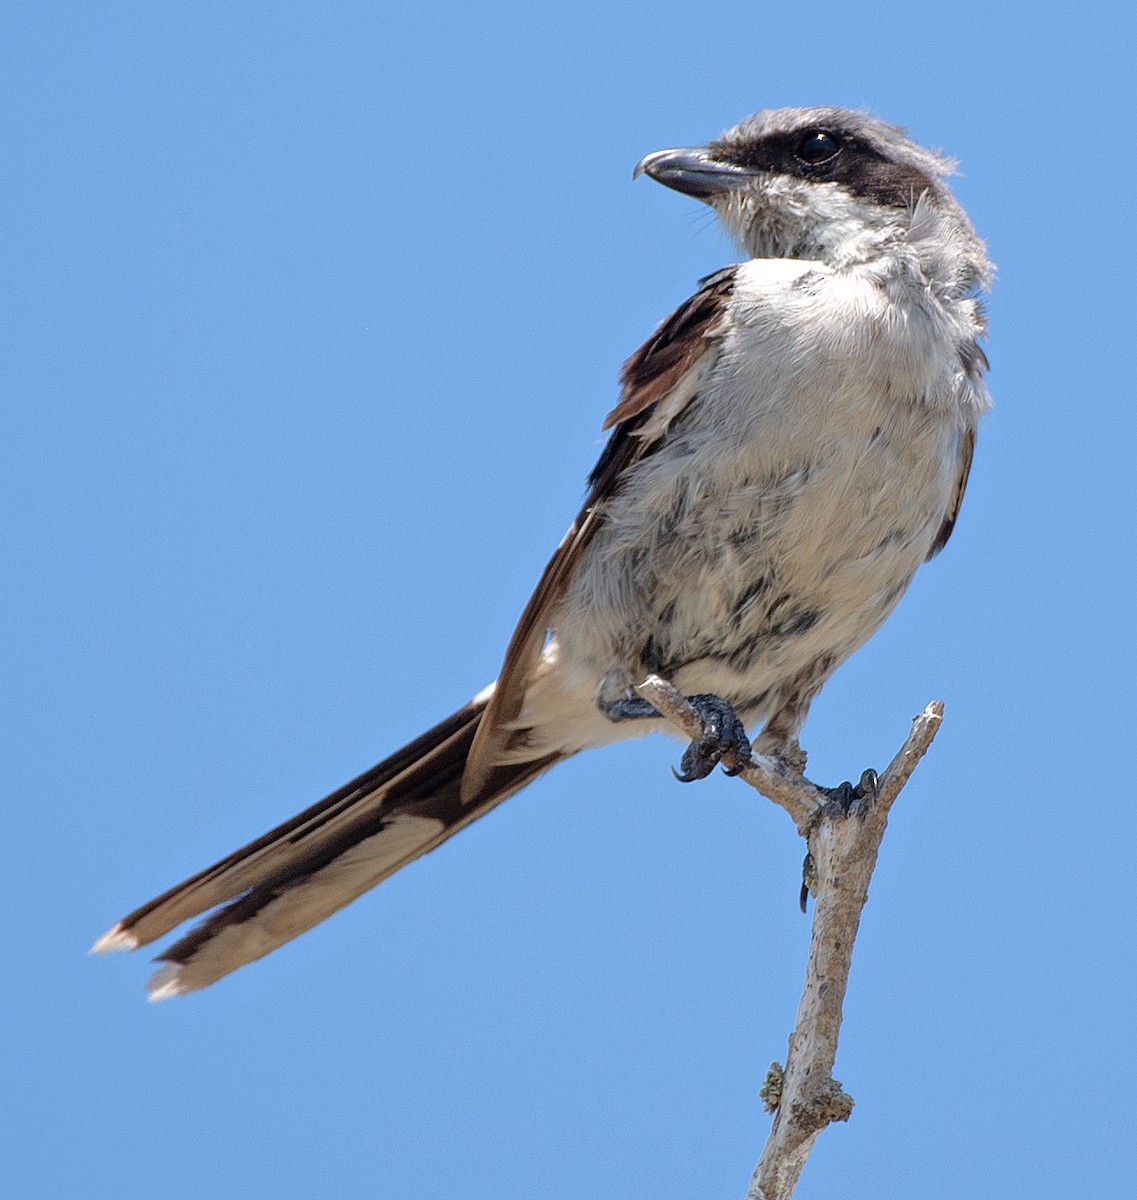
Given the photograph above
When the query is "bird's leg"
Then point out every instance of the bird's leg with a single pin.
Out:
(723, 739)
(778, 740)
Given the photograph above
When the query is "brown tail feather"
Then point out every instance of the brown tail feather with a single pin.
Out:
(301, 872)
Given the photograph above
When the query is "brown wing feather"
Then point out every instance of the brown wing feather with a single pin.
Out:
(966, 453)
(674, 348)
(651, 374)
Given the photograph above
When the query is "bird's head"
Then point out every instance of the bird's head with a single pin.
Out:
(827, 183)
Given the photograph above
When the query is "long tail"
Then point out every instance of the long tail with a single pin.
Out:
(303, 871)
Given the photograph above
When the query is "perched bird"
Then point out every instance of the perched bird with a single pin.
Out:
(788, 447)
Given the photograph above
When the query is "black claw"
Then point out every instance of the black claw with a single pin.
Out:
(690, 773)
(724, 737)
(869, 786)
(808, 879)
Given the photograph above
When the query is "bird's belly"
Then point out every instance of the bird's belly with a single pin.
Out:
(734, 573)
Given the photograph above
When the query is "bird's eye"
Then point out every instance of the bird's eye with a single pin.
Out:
(817, 146)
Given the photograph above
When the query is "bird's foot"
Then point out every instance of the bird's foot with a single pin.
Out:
(846, 800)
(627, 708)
(723, 740)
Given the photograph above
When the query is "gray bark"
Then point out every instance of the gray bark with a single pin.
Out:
(843, 840)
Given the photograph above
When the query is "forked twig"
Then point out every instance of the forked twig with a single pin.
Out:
(843, 841)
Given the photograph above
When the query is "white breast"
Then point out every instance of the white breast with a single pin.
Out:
(787, 507)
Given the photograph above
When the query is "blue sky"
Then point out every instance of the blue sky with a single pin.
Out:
(313, 314)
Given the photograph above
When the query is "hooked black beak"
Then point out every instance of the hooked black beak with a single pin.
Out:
(694, 172)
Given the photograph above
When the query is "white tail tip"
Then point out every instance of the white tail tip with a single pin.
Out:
(165, 984)
(115, 939)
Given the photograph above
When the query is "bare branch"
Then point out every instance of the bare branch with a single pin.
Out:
(843, 832)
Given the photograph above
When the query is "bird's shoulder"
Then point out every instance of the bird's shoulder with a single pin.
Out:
(676, 345)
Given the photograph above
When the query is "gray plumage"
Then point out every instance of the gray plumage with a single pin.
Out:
(788, 448)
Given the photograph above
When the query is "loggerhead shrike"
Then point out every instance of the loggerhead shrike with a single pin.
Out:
(788, 447)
